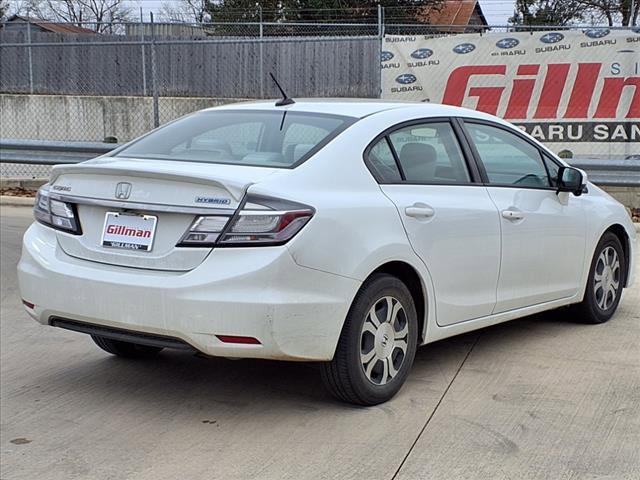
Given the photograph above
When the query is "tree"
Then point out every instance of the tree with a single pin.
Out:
(93, 14)
(187, 11)
(547, 12)
(613, 12)
(566, 12)
(4, 8)
(316, 10)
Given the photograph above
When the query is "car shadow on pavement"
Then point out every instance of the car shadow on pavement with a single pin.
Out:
(174, 376)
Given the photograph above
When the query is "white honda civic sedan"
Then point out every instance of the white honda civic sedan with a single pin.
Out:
(343, 232)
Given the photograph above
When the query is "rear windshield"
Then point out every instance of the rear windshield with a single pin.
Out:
(258, 138)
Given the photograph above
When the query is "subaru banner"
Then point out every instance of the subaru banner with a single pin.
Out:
(578, 91)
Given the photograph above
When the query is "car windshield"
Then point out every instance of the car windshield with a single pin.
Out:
(255, 138)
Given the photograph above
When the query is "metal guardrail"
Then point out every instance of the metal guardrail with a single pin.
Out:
(618, 173)
(610, 173)
(43, 152)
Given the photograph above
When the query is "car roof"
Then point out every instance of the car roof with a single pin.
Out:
(353, 107)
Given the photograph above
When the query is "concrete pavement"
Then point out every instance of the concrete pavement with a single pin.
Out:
(537, 398)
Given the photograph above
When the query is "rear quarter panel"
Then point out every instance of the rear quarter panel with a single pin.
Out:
(356, 228)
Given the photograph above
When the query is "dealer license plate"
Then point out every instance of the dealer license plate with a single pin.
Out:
(128, 231)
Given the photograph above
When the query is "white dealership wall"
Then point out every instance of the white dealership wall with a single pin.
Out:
(573, 90)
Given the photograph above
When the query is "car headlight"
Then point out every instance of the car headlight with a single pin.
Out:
(55, 213)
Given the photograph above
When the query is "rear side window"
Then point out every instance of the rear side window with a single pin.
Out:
(507, 158)
(429, 153)
(383, 163)
(242, 137)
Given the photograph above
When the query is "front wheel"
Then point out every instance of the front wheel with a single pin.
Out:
(377, 345)
(605, 282)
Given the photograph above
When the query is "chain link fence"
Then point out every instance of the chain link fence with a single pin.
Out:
(21, 170)
(132, 77)
(107, 87)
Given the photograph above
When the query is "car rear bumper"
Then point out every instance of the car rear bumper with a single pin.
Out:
(295, 312)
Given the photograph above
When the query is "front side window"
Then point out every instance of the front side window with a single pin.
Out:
(242, 137)
(507, 158)
(429, 153)
(553, 168)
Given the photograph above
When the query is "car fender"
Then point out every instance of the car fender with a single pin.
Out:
(603, 212)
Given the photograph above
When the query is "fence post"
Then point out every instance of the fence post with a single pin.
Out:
(261, 70)
(144, 62)
(381, 42)
(29, 52)
(154, 81)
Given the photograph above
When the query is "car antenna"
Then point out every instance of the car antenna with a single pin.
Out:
(286, 100)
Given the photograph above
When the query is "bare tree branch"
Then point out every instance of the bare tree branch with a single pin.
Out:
(93, 14)
(188, 11)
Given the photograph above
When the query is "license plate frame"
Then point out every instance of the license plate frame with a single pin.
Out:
(129, 231)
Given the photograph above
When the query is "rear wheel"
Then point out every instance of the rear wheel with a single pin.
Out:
(605, 282)
(377, 345)
(125, 349)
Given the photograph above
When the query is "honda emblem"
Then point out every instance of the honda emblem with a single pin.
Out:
(123, 190)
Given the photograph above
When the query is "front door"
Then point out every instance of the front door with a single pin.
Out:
(543, 232)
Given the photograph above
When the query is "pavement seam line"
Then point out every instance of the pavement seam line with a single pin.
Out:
(433, 412)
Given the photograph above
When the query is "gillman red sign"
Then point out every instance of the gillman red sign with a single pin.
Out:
(575, 90)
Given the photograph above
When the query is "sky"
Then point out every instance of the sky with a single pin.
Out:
(497, 12)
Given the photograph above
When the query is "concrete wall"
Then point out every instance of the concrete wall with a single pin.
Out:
(628, 196)
(93, 118)
(89, 118)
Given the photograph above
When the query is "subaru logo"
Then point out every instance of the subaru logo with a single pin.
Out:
(422, 53)
(386, 56)
(464, 48)
(553, 37)
(597, 32)
(507, 43)
(405, 79)
(123, 190)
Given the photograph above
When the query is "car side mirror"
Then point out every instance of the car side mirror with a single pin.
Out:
(571, 180)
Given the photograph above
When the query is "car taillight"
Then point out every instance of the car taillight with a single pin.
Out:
(204, 231)
(266, 221)
(261, 221)
(55, 213)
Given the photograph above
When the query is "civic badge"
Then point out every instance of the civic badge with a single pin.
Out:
(123, 190)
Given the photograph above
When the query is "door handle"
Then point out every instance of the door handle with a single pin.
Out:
(419, 211)
(512, 214)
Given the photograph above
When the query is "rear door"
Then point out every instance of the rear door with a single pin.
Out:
(450, 220)
(543, 233)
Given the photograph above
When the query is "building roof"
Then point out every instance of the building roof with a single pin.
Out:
(453, 12)
(49, 26)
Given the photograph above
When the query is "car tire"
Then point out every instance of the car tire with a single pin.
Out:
(605, 282)
(371, 362)
(125, 349)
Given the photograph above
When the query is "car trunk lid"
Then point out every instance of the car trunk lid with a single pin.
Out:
(165, 196)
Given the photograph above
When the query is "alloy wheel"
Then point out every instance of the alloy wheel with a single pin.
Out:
(606, 278)
(383, 340)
